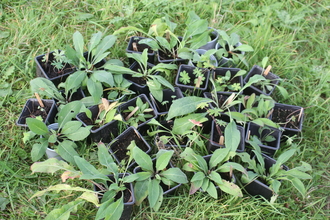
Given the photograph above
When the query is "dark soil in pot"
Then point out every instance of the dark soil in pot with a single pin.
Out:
(288, 117)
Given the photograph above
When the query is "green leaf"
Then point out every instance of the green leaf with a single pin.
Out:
(196, 28)
(195, 185)
(215, 177)
(95, 89)
(45, 87)
(69, 111)
(74, 81)
(104, 156)
(232, 136)
(66, 150)
(90, 197)
(70, 127)
(104, 76)
(80, 134)
(142, 159)
(163, 160)
(218, 157)
(110, 210)
(37, 126)
(50, 166)
(284, 157)
(61, 187)
(106, 43)
(64, 212)
(298, 185)
(87, 168)
(78, 42)
(141, 191)
(212, 191)
(184, 124)
(38, 150)
(185, 106)
(175, 174)
(230, 188)
(154, 191)
(244, 47)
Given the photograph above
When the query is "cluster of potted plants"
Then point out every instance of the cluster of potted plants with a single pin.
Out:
(181, 113)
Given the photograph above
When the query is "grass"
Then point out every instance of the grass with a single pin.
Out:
(293, 34)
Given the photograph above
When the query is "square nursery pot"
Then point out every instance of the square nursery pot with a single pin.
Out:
(118, 147)
(227, 61)
(191, 85)
(289, 117)
(215, 137)
(31, 109)
(257, 70)
(105, 133)
(48, 71)
(258, 187)
(167, 190)
(168, 97)
(135, 47)
(129, 198)
(225, 176)
(221, 72)
(268, 148)
(142, 126)
(214, 36)
(139, 85)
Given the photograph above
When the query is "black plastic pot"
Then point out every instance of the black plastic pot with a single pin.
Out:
(191, 85)
(214, 139)
(139, 85)
(50, 72)
(31, 110)
(257, 70)
(222, 72)
(214, 39)
(167, 190)
(128, 195)
(289, 117)
(140, 48)
(225, 176)
(168, 97)
(268, 148)
(258, 187)
(132, 102)
(118, 147)
(227, 61)
(106, 133)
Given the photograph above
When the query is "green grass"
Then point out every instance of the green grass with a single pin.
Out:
(293, 34)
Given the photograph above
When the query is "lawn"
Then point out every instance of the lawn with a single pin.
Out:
(293, 34)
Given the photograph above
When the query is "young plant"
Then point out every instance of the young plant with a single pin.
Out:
(110, 185)
(59, 61)
(46, 88)
(224, 83)
(92, 72)
(231, 48)
(138, 114)
(276, 173)
(153, 174)
(207, 174)
(62, 139)
(107, 112)
(184, 77)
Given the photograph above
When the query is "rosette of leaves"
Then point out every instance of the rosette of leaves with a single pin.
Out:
(223, 83)
(148, 181)
(231, 48)
(91, 74)
(111, 205)
(274, 176)
(63, 139)
(207, 175)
